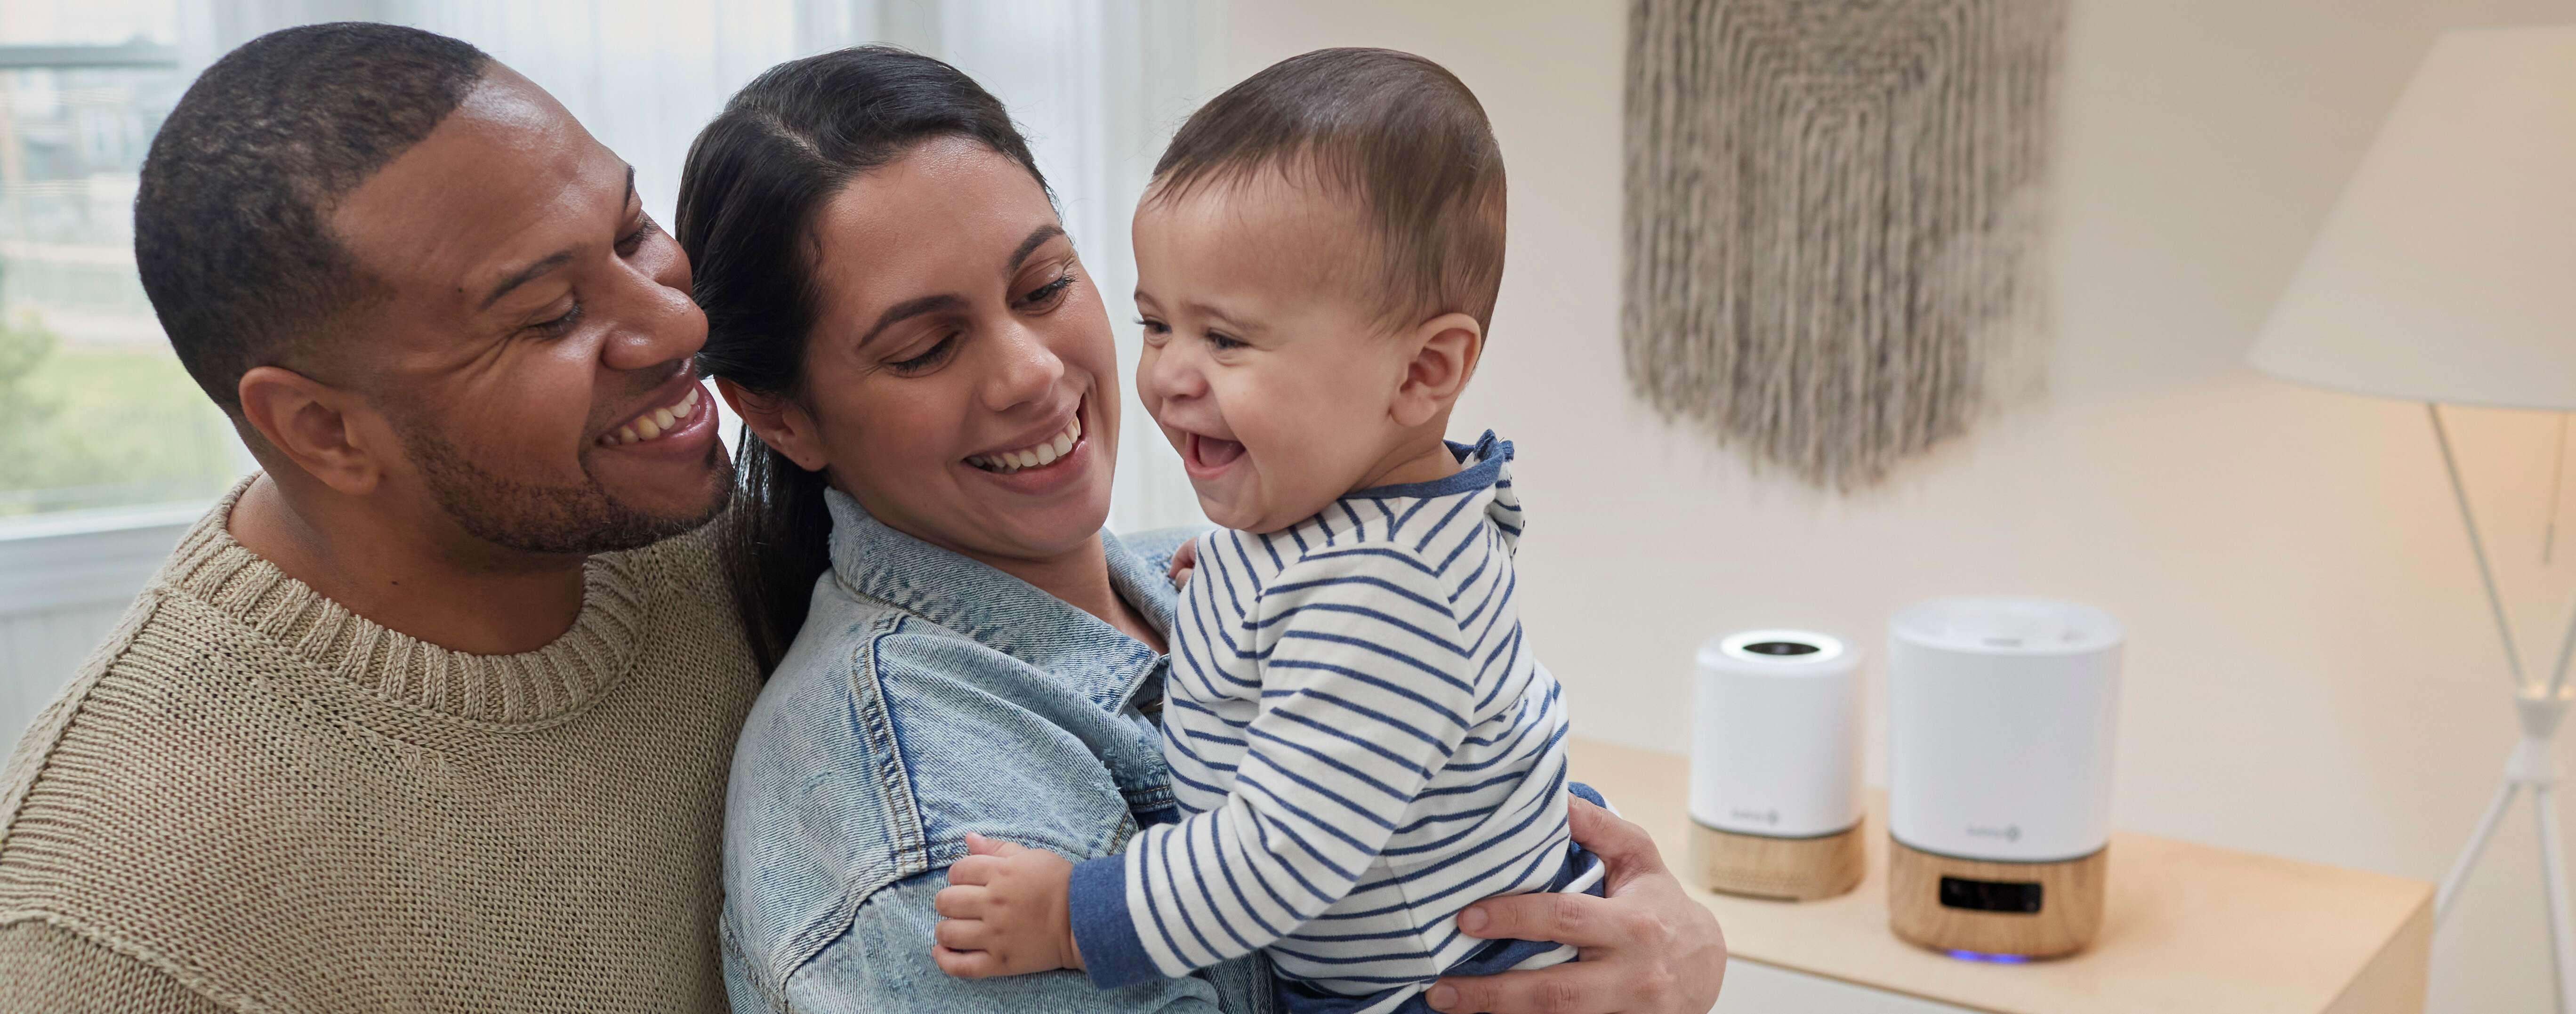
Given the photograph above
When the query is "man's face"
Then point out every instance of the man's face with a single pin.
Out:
(531, 350)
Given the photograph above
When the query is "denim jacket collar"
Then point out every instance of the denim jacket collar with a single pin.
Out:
(1000, 611)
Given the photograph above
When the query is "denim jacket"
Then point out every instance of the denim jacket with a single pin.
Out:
(928, 696)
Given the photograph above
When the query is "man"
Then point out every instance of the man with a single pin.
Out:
(422, 716)
(434, 713)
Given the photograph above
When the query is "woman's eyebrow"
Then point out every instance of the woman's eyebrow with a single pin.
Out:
(911, 308)
(1037, 238)
(907, 310)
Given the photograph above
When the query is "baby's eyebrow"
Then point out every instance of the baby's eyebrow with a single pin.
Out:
(1208, 310)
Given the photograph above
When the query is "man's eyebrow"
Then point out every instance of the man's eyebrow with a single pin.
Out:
(550, 261)
(907, 310)
(1037, 238)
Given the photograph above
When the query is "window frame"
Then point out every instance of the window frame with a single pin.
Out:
(88, 557)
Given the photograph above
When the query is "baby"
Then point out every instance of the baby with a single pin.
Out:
(1359, 741)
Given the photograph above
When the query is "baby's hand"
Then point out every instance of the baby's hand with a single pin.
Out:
(1005, 909)
(1184, 560)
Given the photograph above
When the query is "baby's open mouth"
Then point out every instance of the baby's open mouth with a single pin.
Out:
(1213, 452)
(1037, 455)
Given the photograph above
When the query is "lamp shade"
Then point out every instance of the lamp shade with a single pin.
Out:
(2447, 271)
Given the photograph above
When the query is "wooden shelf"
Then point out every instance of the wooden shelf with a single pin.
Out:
(2186, 927)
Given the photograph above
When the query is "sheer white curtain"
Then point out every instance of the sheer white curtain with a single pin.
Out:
(1098, 85)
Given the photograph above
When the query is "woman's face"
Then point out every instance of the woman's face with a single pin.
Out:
(961, 382)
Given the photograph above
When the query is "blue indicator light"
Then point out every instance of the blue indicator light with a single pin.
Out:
(1998, 959)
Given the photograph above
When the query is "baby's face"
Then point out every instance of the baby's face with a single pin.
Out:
(1266, 364)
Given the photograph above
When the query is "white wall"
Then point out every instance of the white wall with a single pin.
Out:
(2312, 672)
(65, 579)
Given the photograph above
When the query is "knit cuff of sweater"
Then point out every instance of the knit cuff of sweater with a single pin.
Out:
(1112, 954)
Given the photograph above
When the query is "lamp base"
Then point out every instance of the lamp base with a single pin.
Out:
(1790, 869)
(2030, 910)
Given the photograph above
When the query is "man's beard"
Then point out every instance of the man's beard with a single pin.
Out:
(532, 518)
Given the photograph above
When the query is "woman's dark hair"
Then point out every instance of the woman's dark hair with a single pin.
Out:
(785, 145)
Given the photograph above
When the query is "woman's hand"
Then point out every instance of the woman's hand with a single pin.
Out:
(1647, 947)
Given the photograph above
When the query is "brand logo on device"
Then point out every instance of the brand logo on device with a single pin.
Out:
(1765, 816)
(2008, 832)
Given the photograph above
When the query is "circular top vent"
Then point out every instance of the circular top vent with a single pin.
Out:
(1786, 649)
(2007, 626)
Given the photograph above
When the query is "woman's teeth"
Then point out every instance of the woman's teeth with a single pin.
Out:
(1037, 455)
(656, 422)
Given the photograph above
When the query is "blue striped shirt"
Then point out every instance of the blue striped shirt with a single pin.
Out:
(1360, 742)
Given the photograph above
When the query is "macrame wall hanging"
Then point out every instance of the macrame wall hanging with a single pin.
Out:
(1834, 220)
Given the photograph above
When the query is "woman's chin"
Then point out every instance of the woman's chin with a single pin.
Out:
(1040, 523)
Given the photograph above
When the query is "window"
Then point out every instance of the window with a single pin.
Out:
(107, 449)
(94, 409)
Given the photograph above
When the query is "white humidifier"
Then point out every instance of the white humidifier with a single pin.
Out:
(2001, 713)
(1774, 765)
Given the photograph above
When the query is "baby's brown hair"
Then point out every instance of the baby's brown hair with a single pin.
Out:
(1396, 132)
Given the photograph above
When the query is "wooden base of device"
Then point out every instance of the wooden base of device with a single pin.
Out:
(1795, 869)
(2070, 904)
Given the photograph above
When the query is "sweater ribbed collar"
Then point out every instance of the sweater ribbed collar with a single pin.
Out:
(530, 687)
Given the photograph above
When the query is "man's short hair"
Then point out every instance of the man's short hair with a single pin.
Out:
(232, 218)
(1398, 133)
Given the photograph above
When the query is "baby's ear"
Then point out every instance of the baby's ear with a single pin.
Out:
(1445, 349)
(779, 422)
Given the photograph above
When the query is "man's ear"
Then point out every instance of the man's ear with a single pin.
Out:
(779, 422)
(1445, 349)
(311, 424)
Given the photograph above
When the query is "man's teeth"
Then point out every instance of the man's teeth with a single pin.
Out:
(1036, 455)
(656, 422)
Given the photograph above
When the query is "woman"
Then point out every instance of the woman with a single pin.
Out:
(957, 647)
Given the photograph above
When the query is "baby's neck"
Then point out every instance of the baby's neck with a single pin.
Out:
(1421, 458)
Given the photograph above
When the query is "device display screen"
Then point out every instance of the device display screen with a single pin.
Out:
(1989, 895)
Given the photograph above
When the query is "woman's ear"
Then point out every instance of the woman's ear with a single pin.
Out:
(779, 422)
(319, 428)
(1445, 349)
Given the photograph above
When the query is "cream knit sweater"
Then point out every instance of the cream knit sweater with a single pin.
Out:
(250, 799)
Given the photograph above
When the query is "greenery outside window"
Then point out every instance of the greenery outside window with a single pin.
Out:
(95, 411)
